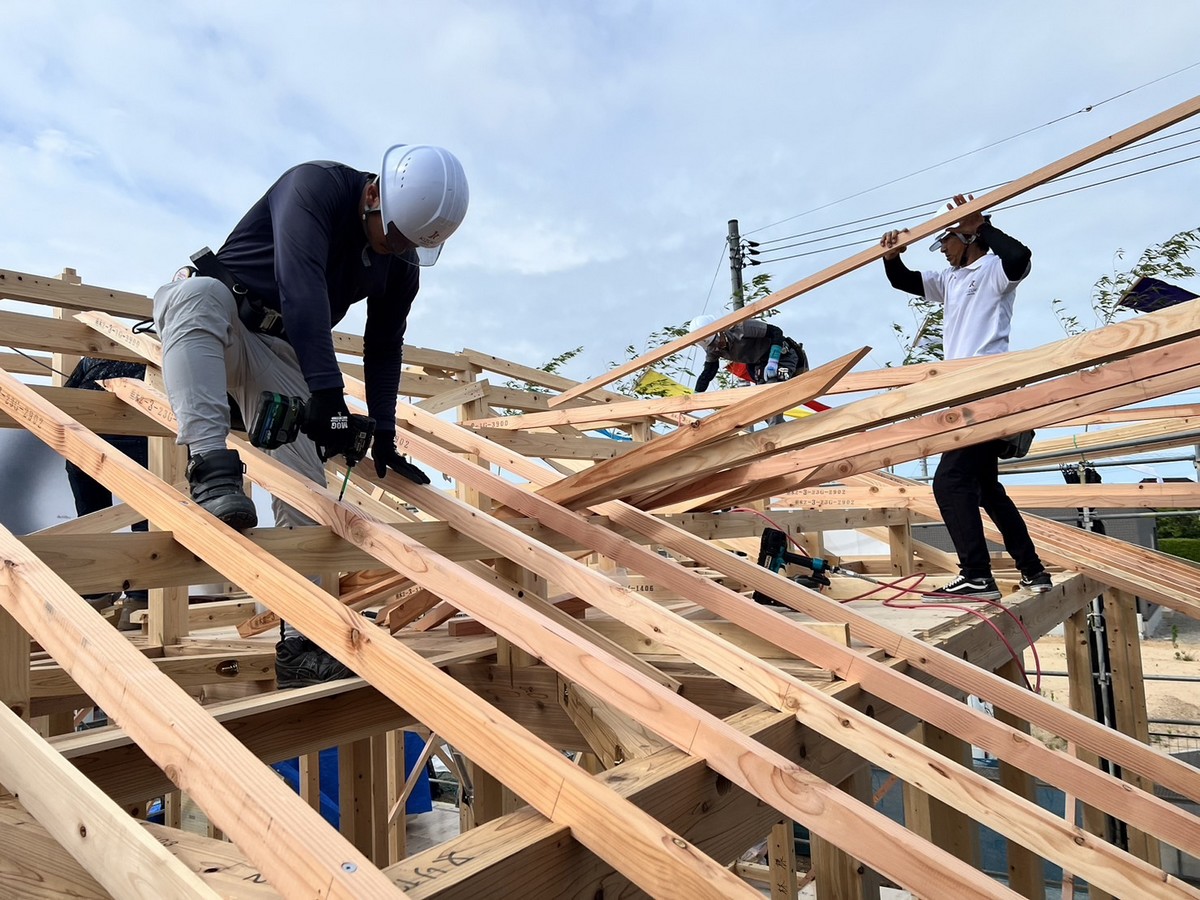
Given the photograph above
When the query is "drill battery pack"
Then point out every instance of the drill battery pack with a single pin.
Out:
(277, 420)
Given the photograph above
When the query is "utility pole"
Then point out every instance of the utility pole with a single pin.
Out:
(735, 265)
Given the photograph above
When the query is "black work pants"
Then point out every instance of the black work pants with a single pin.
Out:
(91, 496)
(965, 480)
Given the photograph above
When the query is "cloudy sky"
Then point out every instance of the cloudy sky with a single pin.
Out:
(606, 144)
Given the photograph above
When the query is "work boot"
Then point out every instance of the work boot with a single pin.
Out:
(216, 481)
(299, 663)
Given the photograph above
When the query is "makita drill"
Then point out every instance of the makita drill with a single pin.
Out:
(278, 419)
(773, 554)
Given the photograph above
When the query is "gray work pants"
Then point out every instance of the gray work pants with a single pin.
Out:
(207, 353)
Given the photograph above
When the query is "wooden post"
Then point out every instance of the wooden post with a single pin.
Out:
(310, 779)
(781, 858)
(1129, 699)
(1077, 637)
(14, 665)
(900, 545)
(946, 827)
(168, 610)
(64, 363)
(397, 831)
(1025, 874)
(837, 874)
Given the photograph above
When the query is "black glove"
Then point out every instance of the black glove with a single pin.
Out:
(327, 422)
(385, 455)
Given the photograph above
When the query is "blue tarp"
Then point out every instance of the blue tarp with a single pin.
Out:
(419, 800)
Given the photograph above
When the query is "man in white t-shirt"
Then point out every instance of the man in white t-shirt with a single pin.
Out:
(977, 294)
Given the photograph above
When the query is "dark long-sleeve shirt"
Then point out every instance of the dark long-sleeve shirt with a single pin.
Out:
(301, 249)
(747, 342)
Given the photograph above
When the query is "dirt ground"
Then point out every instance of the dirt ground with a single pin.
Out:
(1173, 651)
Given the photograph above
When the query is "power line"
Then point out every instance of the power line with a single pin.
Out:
(1086, 109)
(1083, 187)
(929, 203)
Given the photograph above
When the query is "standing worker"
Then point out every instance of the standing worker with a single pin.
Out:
(258, 315)
(762, 348)
(977, 294)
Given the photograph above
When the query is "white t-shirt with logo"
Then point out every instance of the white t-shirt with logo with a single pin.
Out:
(978, 301)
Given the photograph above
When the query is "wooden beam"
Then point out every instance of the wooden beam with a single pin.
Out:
(1170, 495)
(829, 654)
(944, 220)
(235, 789)
(93, 829)
(670, 452)
(636, 844)
(644, 700)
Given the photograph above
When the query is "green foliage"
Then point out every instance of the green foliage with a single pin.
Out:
(552, 367)
(924, 343)
(1185, 548)
(675, 366)
(1168, 526)
(1168, 261)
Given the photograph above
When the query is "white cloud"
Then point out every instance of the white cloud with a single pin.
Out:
(606, 145)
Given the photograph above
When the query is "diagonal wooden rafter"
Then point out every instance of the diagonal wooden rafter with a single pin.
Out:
(1007, 191)
(1165, 335)
(785, 786)
(828, 654)
(1149, 373)
(634, 843)
(767, 403)
(97, 832)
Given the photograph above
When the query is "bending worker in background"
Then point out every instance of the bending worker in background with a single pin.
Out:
(258, 315)
(768, 355)
(977, 293)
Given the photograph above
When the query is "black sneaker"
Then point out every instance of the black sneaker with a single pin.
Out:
(299, 662)
(215, 478)
(964, 590)
(1039, 583)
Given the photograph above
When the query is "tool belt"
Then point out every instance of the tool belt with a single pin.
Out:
(254, 314)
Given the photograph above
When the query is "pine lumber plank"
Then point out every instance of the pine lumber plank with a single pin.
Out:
(235, 789)
(1150, 373)
(100, 412)
(767, 684)
(917, 233)
(646, 701)
(1170, 495)
(1145, 436)
(562, 446)
(48, 872)
(1169, 350)
(651, 854)
(668, 453)
(97, 832)
(29, 332)
(64, 294)
(455, 396)
(1003, 743)
(619, 411)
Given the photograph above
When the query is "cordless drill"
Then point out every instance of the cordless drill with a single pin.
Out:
(278, 419)
(773, 554)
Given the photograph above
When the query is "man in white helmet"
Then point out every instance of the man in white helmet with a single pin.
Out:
(762, 348)
(258, 315)
(977, 292)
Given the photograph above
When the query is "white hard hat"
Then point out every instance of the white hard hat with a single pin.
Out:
(699, 322)
(423, 193)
